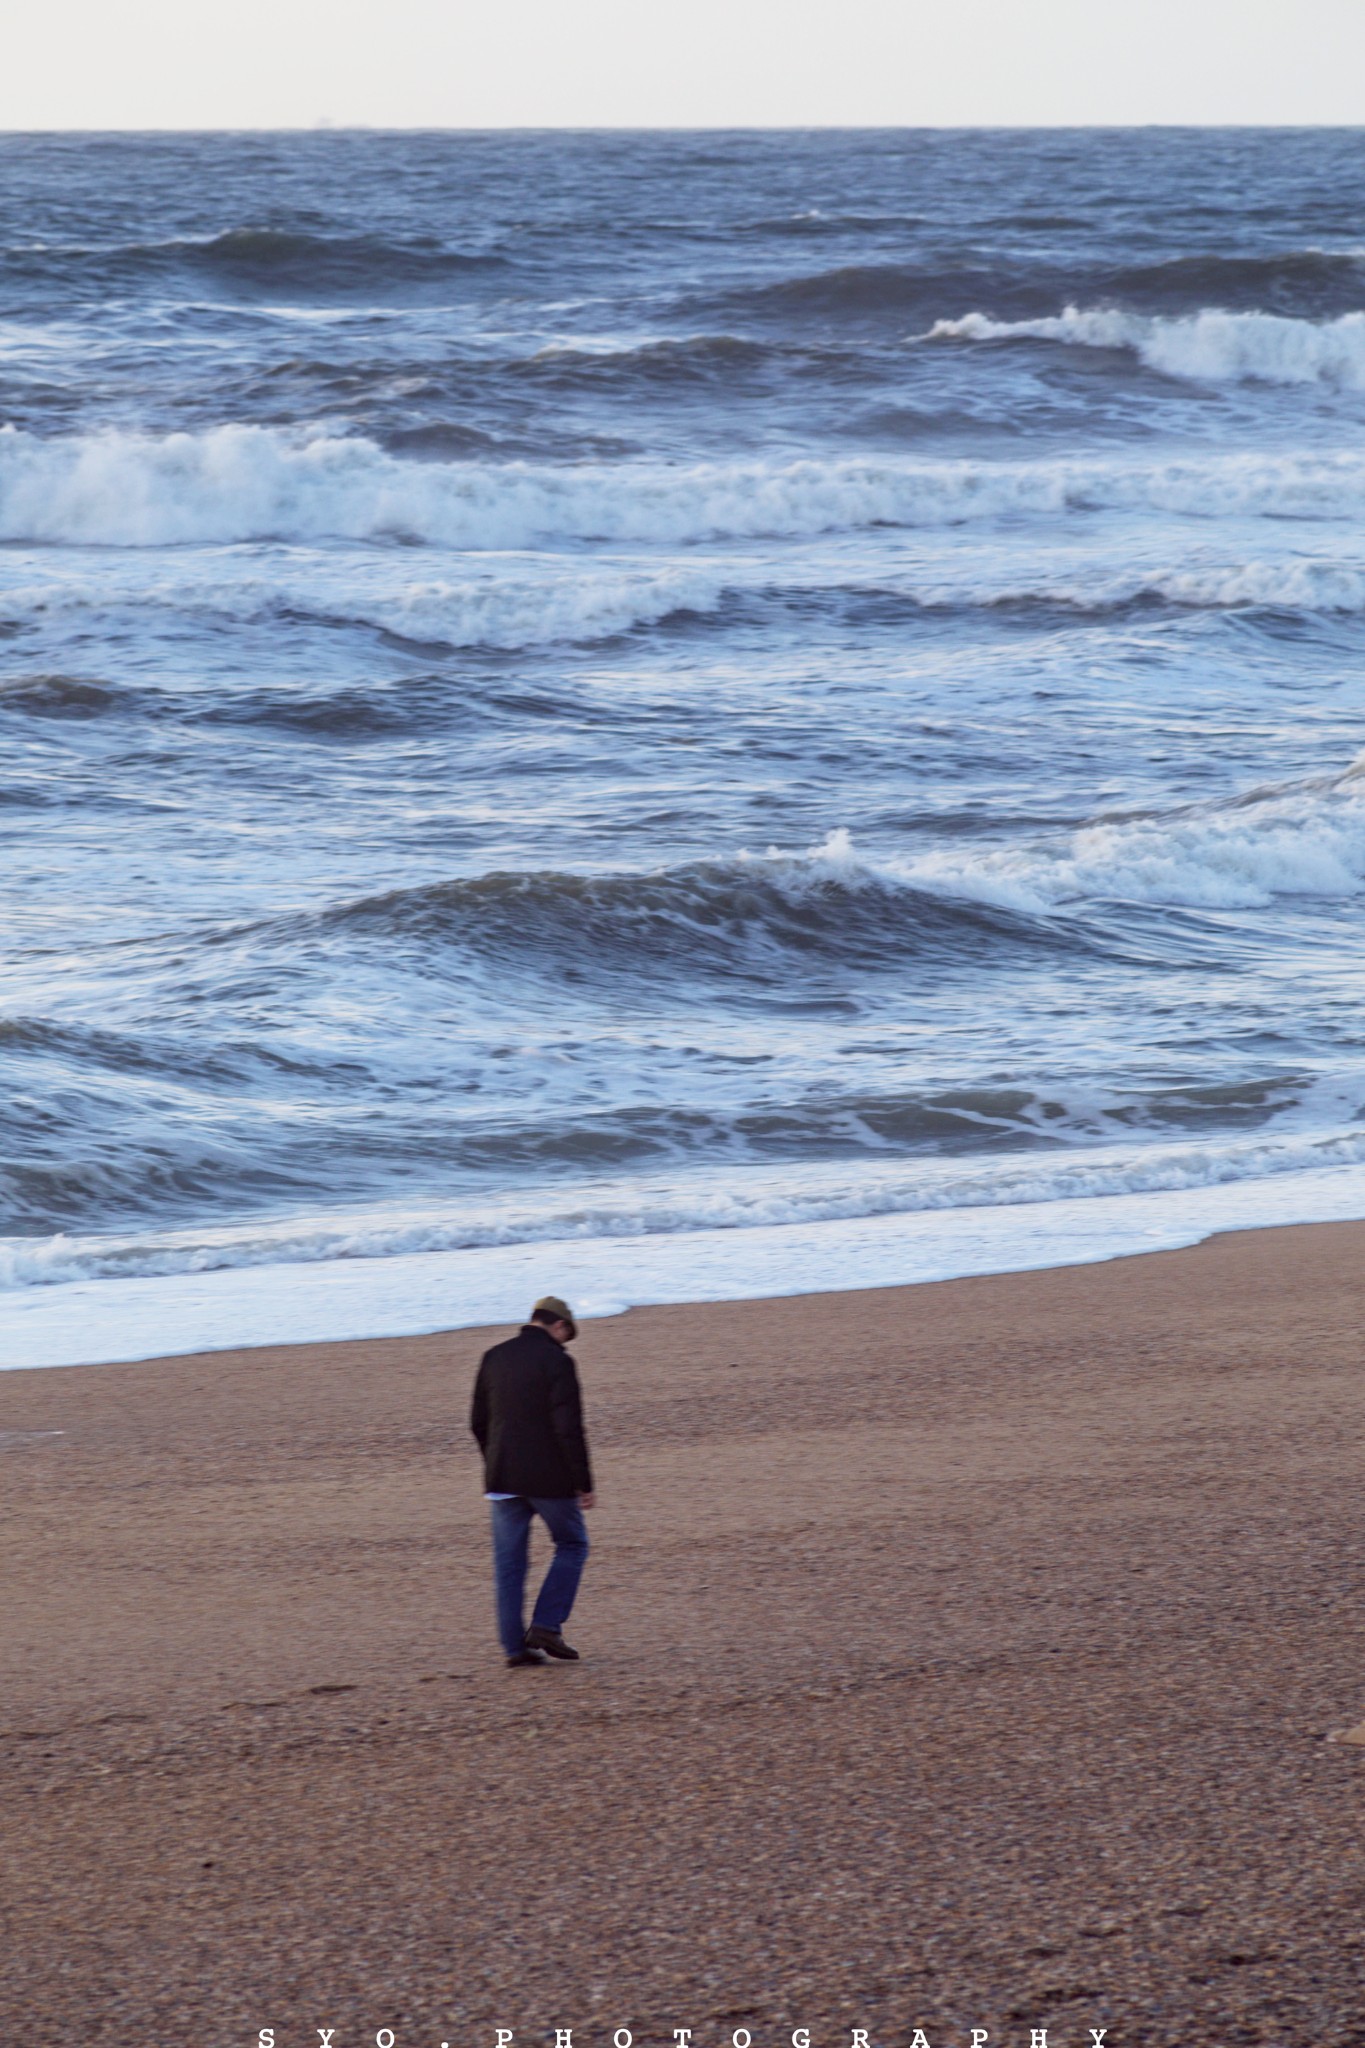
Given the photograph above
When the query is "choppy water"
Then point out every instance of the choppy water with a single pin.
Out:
(573, 686)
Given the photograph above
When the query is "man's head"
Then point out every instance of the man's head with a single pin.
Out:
(555, 1316)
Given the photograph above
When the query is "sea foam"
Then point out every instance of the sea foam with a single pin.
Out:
(736, 1201)
(88, 1320)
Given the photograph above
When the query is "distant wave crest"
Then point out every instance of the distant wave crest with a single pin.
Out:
(1312, 281)
(253, 260)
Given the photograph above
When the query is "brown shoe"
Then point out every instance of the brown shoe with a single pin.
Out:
(551, 1642)
(526, 1657)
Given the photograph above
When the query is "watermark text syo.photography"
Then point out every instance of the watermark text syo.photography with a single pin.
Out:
(687, 2037)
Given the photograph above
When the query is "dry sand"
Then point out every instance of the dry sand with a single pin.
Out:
(954, 1655)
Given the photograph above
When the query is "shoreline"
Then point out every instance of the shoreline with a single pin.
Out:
(954, 1655)
(422, 1293)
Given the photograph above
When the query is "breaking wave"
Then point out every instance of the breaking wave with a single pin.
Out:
(1292, 840)
(243, 483)
(1298, 839)
(1210, 346)
(835, 904)
(513, 602)
(1302, 839)
(746, 917)
(509, 611)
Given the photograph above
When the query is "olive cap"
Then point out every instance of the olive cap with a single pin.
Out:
(551, 1305)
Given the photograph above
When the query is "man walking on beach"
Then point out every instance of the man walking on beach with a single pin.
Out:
(528, 1418)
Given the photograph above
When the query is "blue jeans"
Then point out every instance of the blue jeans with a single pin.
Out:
(511, 1540)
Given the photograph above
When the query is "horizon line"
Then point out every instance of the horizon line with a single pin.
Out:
(325, 126)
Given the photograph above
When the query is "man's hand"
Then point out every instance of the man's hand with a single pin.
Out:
(587, 1500)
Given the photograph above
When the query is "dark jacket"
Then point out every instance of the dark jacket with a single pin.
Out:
(528, 1418)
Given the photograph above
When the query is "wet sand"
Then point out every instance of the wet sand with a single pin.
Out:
(959, 1655)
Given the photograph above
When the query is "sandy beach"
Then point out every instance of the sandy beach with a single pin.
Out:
(960, 1655)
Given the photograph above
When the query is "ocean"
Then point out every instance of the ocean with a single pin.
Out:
(657, 715)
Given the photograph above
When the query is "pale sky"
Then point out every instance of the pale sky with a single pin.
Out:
(657, 63)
